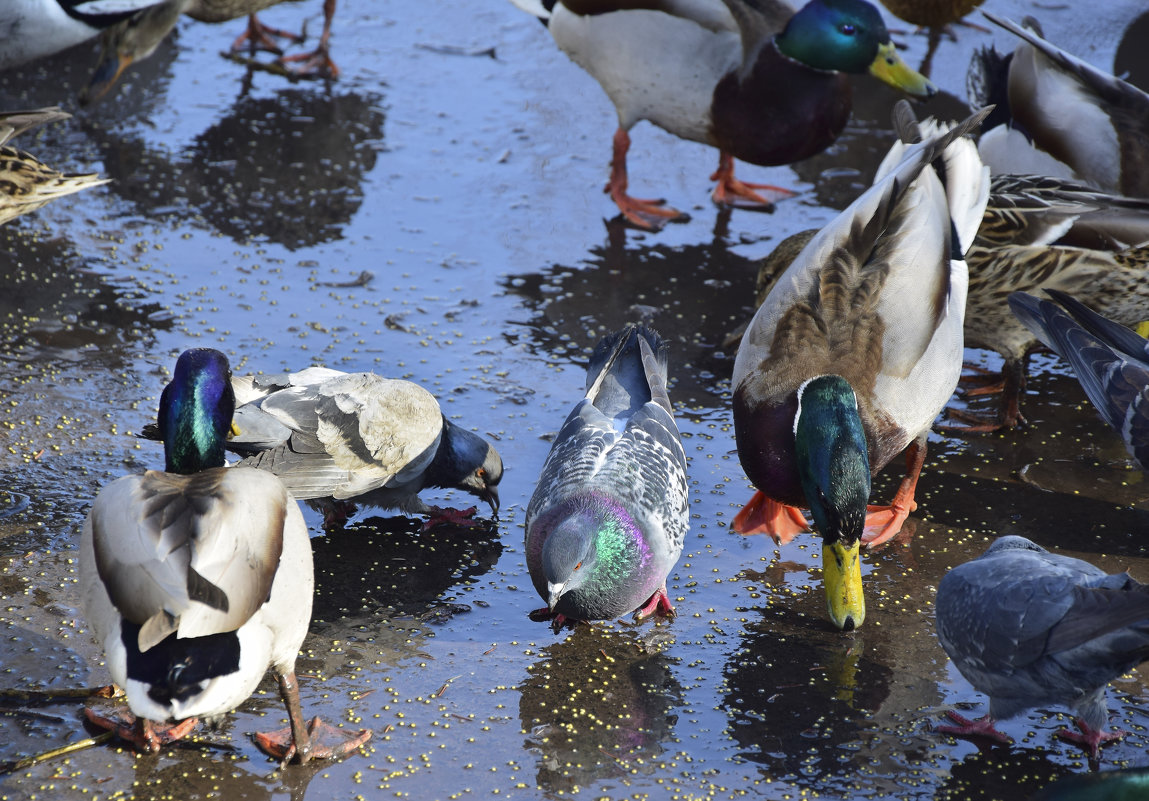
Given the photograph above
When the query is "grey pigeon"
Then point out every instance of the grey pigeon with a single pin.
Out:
(1110, 361)
(1030, 628)
(608, 517)
(335, 437)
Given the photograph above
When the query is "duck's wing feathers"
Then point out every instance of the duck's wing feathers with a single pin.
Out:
(828, 312)
(1041, 210)
(1093, 121)
(189, 554)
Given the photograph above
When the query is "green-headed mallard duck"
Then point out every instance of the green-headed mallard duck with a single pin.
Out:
(26, 183)
(137, 36)
(1059, 116)
(1037, 233)
(853, 354)
(198, 578)
(756, 80)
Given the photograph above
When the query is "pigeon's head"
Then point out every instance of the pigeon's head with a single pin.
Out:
(594, 560)
(468, 462)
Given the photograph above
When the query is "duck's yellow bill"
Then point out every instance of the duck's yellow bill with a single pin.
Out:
(842, 575)
(889, 68)
(233, 431)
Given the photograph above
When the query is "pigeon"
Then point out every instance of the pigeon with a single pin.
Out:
(1030, 628)
(335, 437)
(198, 578)
(608, 518)
(1111, 361)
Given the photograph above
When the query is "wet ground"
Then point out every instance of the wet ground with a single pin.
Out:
(437, 214)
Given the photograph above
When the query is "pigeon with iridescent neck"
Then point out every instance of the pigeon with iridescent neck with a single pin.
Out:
(608, 517)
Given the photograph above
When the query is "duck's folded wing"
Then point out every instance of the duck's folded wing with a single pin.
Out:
(194, 554)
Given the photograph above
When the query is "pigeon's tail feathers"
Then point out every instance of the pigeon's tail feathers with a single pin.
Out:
(628, 369)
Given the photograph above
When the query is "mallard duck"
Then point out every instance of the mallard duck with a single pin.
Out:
(936, 16)
(1110, 361)
(198, 578)
(1037, 233)
(1030, 628)
(608, 517)
(1057, 115)
(758, 81)
(853, 354)
(34, 29)
(335, 437)
(26, 183)
(137, 36)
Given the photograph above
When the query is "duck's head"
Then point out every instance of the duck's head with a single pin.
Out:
(849, 36)
(834, 469)
(130, 40)
(196, 410)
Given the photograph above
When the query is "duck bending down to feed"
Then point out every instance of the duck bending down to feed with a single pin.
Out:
(758, 81)
(26, 183)
(608, 517)
(1029, 628)
(137, 37)
(198, 578)
(1037, 233)
(854, 352)
(32, 29)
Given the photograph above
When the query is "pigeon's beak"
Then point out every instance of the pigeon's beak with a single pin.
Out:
(491, 496)
(554, 592)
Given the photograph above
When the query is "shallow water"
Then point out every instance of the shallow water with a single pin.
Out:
(243, 214)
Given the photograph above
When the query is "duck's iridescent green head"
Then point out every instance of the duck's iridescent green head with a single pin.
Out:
(834, 468)
(849, 36)
(196, 408)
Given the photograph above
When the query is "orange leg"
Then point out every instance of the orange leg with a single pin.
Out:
(732, 192)
(147, 736)
(659, 604)
(765, 515)
(318, 62)
(650, 215)
(262, 37)
(888, 519)
(299, 743)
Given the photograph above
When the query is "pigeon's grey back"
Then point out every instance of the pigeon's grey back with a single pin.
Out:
(1028, 627)
(622, 438)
